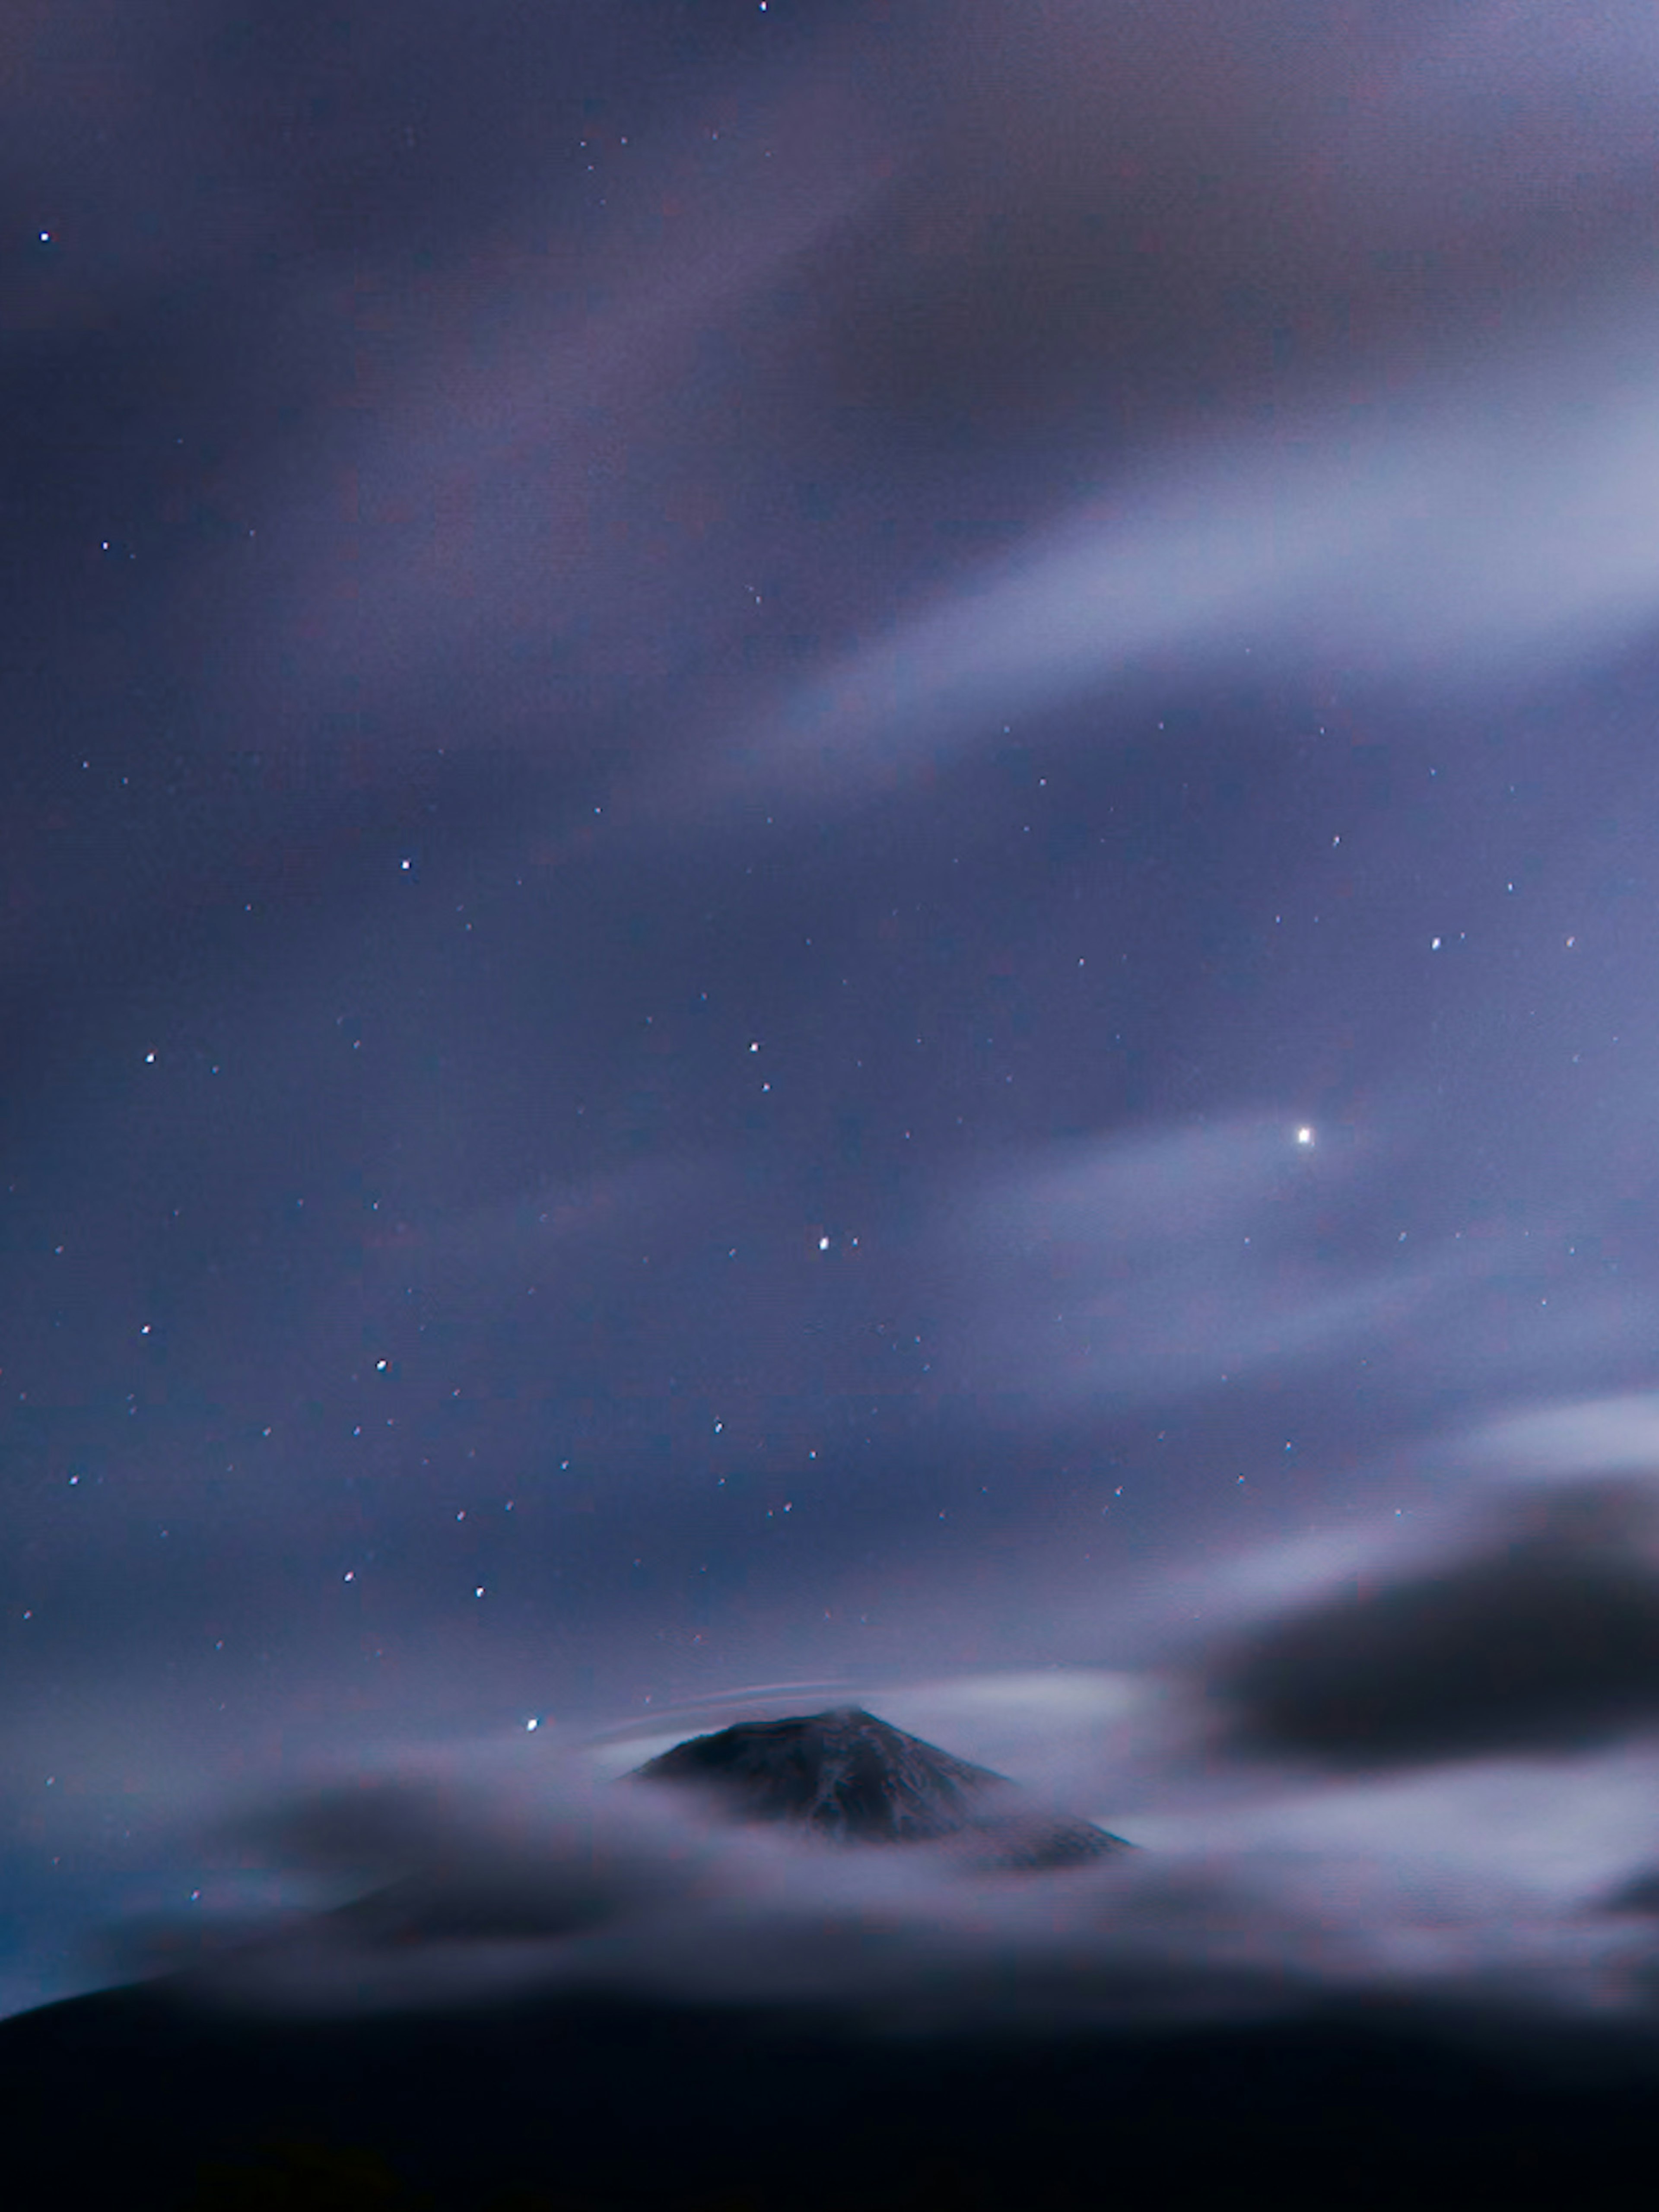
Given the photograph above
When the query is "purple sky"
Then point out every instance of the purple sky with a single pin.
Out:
(828, 853)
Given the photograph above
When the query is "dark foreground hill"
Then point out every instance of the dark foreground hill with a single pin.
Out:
(135, 2099)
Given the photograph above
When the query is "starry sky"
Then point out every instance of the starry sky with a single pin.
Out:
(828, 865)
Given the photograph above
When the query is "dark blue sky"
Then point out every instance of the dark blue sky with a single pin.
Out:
(828, 844)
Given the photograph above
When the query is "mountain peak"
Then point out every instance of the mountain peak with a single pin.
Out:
(845, 1777)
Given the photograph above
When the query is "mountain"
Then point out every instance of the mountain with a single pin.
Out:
(166, 2097)
(848, 1778)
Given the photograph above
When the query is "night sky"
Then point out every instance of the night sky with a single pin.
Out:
(827, 838)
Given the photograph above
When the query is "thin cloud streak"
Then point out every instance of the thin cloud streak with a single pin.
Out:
(1501, 532)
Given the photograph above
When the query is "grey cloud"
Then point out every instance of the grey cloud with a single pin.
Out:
(488, 1890)
(1545, 1638)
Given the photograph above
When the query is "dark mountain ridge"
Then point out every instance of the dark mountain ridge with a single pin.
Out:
(847, 1777)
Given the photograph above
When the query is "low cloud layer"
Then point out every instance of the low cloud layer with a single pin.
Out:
(1424, 1768)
